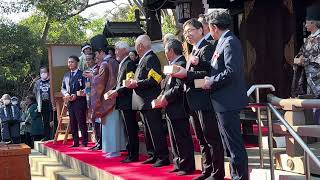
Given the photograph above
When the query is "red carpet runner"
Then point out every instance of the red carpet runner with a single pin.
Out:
(127, 171)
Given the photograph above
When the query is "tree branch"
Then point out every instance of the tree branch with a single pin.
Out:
(89, 5)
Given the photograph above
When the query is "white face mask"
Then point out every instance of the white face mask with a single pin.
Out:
(44, 76)
(6, 101)
(14, 102)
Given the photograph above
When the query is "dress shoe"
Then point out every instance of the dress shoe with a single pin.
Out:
(75, 145)
(183, 173)
(161, 163)
(113, 154)
(174, 170)
(201, 177)
(150, 161)
(92, 148)
(129, 160)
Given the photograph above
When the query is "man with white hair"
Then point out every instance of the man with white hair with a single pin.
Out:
(167, 37)
(146, 87)
(124, 100)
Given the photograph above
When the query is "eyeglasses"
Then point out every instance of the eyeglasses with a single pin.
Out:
(188, 31)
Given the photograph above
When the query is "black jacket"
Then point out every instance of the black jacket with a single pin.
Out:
(199, 99)
(148, 88)
(124, 99)
(174, 94)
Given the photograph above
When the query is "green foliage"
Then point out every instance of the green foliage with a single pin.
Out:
(168, 25)
(20, 55)
(70, 31)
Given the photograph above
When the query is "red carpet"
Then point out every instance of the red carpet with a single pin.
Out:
(127, 171)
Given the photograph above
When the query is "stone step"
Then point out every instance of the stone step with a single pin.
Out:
(264, 174)
(46, 168)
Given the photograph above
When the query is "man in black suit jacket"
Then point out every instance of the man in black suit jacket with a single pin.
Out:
(203, 116)
(146, 87)
(72, 82)
(228, 87)
(206, 30)
(177, 118)
(124, 100)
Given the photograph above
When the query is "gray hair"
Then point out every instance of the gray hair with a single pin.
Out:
(220, 17)
(167, 37)
(122, 45)
(175, 45)
(144, 40)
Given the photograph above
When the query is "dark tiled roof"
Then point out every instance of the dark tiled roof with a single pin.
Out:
(122, 29)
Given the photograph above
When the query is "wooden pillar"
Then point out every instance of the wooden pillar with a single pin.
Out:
(154, 25)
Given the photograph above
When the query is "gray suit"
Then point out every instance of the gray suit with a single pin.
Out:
(228, 98)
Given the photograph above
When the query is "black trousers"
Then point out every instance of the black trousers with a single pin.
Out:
(229, 126)
(77, 114)
(206, 129)
(132, 129)
(46, 118)
(181, 144)
(155, 133)
(97, 134)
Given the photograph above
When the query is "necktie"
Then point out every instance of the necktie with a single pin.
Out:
(72, 74)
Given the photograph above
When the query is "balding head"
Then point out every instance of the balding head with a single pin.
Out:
(143, 44)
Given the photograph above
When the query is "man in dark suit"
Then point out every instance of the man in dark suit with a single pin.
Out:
(203, 117)
(146, 87)
(124, 100)
(228, 87)
(73, 82)
(206, 30)
(173, 101)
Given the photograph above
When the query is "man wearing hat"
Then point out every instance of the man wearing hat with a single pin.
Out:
(73, 84)
(85, 50)
(309, 54)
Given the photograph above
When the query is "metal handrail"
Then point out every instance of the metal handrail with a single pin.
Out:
(308, 153)
(256, 88)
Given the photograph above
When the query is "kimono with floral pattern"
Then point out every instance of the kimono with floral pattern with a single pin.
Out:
(311, 52)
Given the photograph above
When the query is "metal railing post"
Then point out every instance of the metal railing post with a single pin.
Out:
(270, 144)
(259, 129)
(307, 166)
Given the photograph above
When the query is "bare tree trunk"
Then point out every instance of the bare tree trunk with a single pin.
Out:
(45, 30)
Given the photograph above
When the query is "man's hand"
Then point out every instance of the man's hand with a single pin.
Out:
(182, 73)
(194, 60)
(98, 104)
(87, 74)
(112, 94)
(66, 98)
(164, 101)
(73, 97)
(207, 84)
(133, 84)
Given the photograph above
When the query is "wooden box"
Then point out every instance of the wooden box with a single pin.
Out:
(170, 69)
(14, 161)
(198, 83)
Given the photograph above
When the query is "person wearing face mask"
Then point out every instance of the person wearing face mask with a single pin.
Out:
(41, 91)
(10, 121)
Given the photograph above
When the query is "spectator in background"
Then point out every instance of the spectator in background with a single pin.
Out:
(85, 50)
(134, 57)
(112, 52)
(10, 121)
(22, 123)
(41, 91)
(33, 121)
